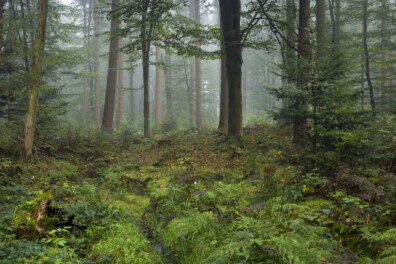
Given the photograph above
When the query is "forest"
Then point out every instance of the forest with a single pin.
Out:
(198, 131)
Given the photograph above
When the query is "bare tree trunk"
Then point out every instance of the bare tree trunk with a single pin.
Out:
(158, 86)
(231, 17)
(85, 67)
(168, 84)
(223, 119)
(108, 113)
(385, 55)
(145, 39)
(131, 97)
(35, 80)
(96, 68)
(300, 131)
(198, 80)
(244, 90)
(190, 95)
(120, 85)
(366, 54)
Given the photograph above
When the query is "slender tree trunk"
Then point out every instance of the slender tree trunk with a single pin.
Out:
(366, 54)
(168, 84)
(244, 90)
(385, 55)
(230, 18)
(198, 80)
(96, 67)
(108, 113)
(35, 80)
(223, 120)
(85, 67)
(190, 95)
(145, 39)
(131, 96)
(290, 59)
(120, 85)
(320, 52)
(300, 132)
(158, 86)
(337, 22)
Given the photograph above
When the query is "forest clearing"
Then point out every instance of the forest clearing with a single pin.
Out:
(197, 131)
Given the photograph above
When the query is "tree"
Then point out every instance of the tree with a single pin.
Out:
(367, 59)
(198, 78)
(35, 80)
(223, 118)
(230, 13)
(120, 85)
(96, 66)
(158, 85)
(300, 131)
(108, 113)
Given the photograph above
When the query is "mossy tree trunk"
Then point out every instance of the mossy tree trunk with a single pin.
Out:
(35, 80)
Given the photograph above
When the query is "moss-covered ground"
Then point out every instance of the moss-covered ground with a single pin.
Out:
(188, 198)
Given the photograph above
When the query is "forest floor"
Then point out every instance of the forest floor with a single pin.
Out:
(186, 198)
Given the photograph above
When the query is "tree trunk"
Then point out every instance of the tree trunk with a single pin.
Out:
(158, 86)
(168, 84)
(290, 58)
(198, 80)
(120, 85)
(189, 94)
(145, 39)
(366, 55)
(300, 132)
(35, 80)
(85, 67)
(108, 113)
(223, 120)
(96, 67)
(230, 17)
(131, 97)
(385, 55)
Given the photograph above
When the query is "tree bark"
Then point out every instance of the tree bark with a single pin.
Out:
(85, 67)
(230, 12)
(108, 113)
(223, 120)
(198, 80)
(168, 84)
(131, 96)
(366, 55)
(145, 41)
(35, 80)
(300, 131)
(385, 55)
(96, 68)
(120, 85)
(158, 86)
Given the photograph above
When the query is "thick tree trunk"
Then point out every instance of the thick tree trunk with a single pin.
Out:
(96, 68)
(35, 81)
(223, 120)
(366, 54)
(198, 80)
(230, 18)
(158, 86)
(108, 113)
(120, 85)
(300, 131)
